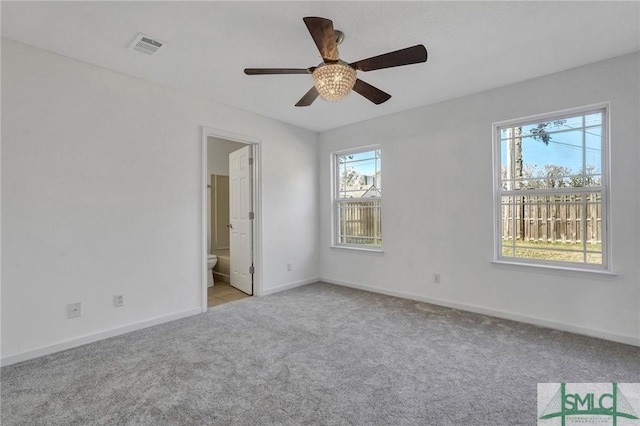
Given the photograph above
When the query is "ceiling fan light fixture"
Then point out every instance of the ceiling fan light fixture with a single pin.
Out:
(334, 81)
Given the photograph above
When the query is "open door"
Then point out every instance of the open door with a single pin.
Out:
(241, 215)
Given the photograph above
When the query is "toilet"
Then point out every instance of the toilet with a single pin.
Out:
(212, 259)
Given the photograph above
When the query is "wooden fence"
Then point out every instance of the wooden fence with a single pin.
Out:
(360, 222)
(553, 218)
(544, 218)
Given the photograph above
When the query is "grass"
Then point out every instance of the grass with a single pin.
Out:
(554, 251)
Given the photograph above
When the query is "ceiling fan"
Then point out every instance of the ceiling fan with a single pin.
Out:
(334, 78)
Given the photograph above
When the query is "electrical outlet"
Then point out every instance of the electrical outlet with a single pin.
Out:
(74, 310)
(289, 267)
(436, 277)
(118, 300)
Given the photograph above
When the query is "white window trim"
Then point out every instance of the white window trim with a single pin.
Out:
(334, 200)
(606, 267)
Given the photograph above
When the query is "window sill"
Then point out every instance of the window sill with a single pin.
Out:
(568, 270)
(364, 249)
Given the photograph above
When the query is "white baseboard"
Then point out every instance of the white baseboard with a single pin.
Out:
(220, 275)
(288, 286)
(620, 338)
(90, 338)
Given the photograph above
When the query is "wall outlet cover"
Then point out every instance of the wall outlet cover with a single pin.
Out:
(118, 300)
(74, 310)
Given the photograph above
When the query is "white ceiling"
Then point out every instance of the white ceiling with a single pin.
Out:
(473, 46)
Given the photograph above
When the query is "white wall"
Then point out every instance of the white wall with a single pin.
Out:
(101, 194)
(437, 164)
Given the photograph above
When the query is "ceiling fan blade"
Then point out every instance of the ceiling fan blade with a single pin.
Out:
(264, 71)
(321, 30)
(308, 98)
(374, 94)
(408, 56)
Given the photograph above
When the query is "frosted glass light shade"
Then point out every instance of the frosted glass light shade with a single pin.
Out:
(334, 81)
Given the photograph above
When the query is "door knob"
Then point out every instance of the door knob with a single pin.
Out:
(230, 226)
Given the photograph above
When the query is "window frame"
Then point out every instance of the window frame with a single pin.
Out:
(335, 199)
(604, 189)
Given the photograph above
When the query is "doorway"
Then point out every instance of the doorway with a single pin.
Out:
(231, 229)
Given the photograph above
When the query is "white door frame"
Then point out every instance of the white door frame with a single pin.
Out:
(257, 206)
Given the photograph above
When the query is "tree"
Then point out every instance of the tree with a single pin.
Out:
(585, 179)
(553, 176)
(540, 134)
(349, 178)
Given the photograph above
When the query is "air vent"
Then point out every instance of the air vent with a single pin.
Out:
(146, 44)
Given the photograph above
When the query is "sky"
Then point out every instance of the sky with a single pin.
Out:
(565, 146)
(363, 162)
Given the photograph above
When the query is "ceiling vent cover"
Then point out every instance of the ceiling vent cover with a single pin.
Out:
(146, 44)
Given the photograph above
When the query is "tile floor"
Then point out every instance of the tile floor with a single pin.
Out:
(223, 292)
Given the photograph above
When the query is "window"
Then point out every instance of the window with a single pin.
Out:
(551, 189)
(358, 198)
